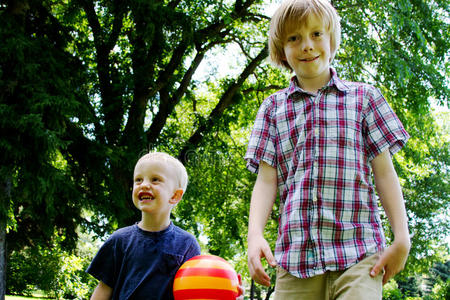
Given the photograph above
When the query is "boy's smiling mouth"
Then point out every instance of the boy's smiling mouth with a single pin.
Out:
(145, 196)
(308, 59)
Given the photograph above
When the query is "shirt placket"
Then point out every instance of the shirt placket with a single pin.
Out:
(314, 191)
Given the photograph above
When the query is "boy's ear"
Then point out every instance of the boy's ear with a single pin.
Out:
(177, 195)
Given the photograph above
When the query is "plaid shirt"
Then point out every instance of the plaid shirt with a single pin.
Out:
(321, 146)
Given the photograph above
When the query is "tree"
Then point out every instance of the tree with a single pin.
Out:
(39, 94)
(117, 78)
(439, 273)
(135, 59)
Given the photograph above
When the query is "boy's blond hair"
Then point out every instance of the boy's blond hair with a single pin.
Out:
(177, 166)
(296, 12)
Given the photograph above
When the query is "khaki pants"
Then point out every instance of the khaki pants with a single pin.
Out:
(354, 283)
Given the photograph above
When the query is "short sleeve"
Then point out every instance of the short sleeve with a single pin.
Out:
(383, 129)
(183, 243)
(102, 266)
(193, 250)
(261, 145)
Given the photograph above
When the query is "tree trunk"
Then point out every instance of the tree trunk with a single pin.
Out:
(2, 259)
(269, 292)
(5, 194)
(252, 289)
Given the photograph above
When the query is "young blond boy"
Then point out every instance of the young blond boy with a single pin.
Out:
(140, 261)
(319, 141)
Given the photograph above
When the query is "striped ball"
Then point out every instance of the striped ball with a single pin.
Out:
(206, 277)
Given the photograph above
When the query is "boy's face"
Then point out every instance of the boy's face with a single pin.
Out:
(154, 189)
(307, 51)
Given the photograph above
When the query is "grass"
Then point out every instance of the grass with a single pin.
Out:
(22, 298)
(18, 298)
(36, 295)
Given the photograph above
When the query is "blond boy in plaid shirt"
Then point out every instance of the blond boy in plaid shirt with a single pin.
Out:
(319, 142)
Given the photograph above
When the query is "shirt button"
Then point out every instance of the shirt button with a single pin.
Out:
(315, 199)
(316, 131)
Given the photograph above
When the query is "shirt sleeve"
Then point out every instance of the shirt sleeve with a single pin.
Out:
(193, 250)
(261, 145)
(383, 128)
(103, 265)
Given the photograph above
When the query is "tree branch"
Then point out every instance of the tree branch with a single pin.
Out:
(225, 101)
(174, 3)
(88, 7)
(240, 11)
(175, 61)
(111, 104)
(138, 108)
(117, 27)
(264, 89)
(143, 62)
(166, 108)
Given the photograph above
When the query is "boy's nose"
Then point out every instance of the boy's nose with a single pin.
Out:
(307, 45)
(145, 184)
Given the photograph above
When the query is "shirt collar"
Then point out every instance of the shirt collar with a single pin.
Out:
(337, 82)
(334, 81)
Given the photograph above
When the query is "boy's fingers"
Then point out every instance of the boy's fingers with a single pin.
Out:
(258, 273)
(386, 277)
(262, 279)
(377, 267)
(256, 269)
(374, 272)
(255, 255)
(261, 276)
(269, 257)
(388, 274)
(240, 287)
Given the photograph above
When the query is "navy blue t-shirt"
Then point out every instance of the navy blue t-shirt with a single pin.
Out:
(139, 264)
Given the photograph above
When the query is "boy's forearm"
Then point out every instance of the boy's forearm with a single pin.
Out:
(260, 209)
(102, 292)
(389, 190)
(263, 198)
(393, 205)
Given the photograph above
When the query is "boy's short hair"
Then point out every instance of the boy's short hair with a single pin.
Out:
(296, 11)
(178, 167)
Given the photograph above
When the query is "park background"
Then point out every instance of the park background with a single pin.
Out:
(87, 86)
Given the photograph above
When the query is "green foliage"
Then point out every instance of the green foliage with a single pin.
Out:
(72, 281)
(32, 268)
(391, 291)
(39, 93)
(439, 291)
(55, 272)
(438, 281)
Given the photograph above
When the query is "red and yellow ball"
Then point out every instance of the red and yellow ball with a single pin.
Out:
(206, 277)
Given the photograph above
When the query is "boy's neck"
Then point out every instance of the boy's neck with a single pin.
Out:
(153, 223)
(313, 85)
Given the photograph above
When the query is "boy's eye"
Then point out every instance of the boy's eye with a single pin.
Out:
(156, 179)
(293, 38)
(317, 34)
(137, 180)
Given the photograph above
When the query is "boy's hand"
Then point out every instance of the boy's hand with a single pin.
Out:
(240, 289)
(258, 248)
(392, 260)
